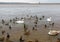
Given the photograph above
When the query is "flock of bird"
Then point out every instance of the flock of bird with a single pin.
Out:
(22, 21)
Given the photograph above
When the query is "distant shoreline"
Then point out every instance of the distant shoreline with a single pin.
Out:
(30, 3)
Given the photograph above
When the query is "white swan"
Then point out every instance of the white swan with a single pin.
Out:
(19, 21)
(53, 32)
(49, 19)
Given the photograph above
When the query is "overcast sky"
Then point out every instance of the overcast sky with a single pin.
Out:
(32, 1)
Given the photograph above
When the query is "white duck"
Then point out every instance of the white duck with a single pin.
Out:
(53, 32)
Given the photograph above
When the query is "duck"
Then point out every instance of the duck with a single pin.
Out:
(53, 32)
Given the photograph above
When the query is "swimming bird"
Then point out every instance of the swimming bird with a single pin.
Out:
(10, 20)
(33, 28)
(3, 21)
(45, 25)
(3, 31)
(21, 40)
(10, 27)
(19, 21)
(40, 18)
(49, 19)
(7, 24)
(53, 32)
(43, 16)
(52, 24)
(8, 36)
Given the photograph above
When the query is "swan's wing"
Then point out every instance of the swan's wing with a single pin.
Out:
(19, 22)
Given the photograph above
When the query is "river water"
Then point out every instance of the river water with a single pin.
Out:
(9, 11)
